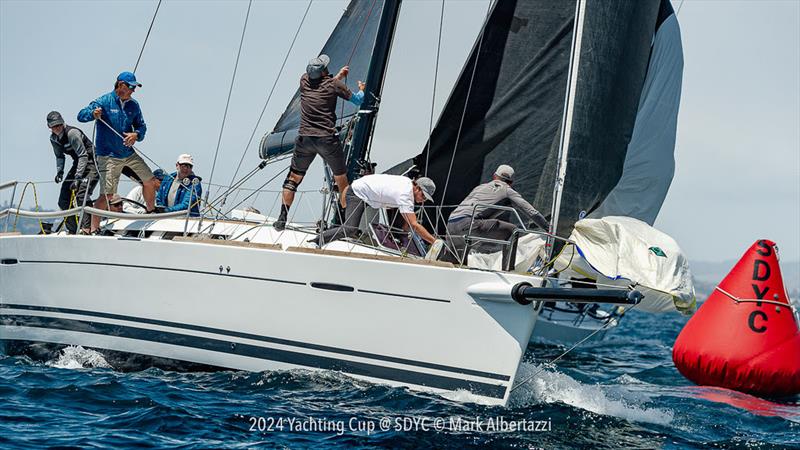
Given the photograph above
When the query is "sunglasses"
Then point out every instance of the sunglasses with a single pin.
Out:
(132, 88)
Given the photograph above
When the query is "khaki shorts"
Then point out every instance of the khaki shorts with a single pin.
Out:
(110, 169)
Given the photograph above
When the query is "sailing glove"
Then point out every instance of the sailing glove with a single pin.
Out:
(59, 176)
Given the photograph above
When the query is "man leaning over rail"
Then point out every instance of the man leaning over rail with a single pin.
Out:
(181, 189)
(82, 176)
(121, 124)
(486, 222)
(317, 135)
(383, 191)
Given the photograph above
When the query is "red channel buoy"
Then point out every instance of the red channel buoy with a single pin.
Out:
(745, 336)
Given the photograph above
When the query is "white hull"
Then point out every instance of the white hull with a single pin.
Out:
(425, 327)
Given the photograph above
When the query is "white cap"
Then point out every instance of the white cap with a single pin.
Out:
(186, 159)
(505, 172)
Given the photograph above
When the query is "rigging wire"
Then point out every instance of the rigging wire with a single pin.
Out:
(230, 91)
(466, 101)
(146, 37)
(272, 90)
(433, 96)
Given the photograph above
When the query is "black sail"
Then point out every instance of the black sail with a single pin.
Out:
(515, 101)
(351, 43)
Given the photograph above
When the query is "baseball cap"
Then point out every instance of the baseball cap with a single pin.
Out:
(428, 187)
(505, 172)
(159, 174)
(186, 159)
(317, 65)
(129, 78)
(54, 118)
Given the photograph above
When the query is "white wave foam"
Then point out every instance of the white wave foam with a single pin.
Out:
(79, 358)
(555, 387)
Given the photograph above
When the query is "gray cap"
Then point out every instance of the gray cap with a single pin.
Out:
(428, 187)
(54, 118)
(316, 66)
(505, 172)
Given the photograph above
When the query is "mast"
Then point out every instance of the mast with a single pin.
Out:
(566, 122)
(375, 76)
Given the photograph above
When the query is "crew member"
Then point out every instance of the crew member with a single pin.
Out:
(486, 222)
(383, 191)
(134, 202)
(119, 115)
(317, 135)
(181, 189)
(82, 176)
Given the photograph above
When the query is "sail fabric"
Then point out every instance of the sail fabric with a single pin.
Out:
(351, 43)
(516, 102)
(650, 163)
(615, 251)
(511, 102)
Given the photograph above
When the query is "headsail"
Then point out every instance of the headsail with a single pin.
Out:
(514, 110)
(351, 43)
(650, 163)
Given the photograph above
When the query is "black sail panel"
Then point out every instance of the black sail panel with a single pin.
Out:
(614, 52)
(351, 43)
(516, 103)
(514, 106)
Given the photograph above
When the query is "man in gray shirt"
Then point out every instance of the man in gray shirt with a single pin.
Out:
(487, 223)
(82, 177)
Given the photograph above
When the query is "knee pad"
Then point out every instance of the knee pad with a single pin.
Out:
(289, 184)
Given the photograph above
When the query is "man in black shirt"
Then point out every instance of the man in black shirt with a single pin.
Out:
(319, 92)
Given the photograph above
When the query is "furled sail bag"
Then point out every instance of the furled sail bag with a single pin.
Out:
(620, 251)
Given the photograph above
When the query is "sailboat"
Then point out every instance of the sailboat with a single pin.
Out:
(264, 299)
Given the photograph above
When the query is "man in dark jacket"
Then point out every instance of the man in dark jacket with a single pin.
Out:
(81, 178)
(319, 92)
(181, 189)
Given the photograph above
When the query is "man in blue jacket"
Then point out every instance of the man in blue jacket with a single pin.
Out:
(121, 125)
(180, 190)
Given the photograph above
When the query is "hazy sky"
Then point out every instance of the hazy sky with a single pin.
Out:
(738, 149)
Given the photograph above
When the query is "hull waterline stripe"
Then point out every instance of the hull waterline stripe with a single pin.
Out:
(254, 351)
(255, 337)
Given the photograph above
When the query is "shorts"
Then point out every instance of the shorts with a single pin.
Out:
(110, 169)
(328, 147)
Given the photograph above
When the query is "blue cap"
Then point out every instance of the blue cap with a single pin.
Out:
(159, 174)
(129, 78)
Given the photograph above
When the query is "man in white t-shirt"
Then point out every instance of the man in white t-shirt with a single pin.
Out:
(383, 191)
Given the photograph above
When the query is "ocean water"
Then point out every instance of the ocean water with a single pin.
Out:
(622, 392)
